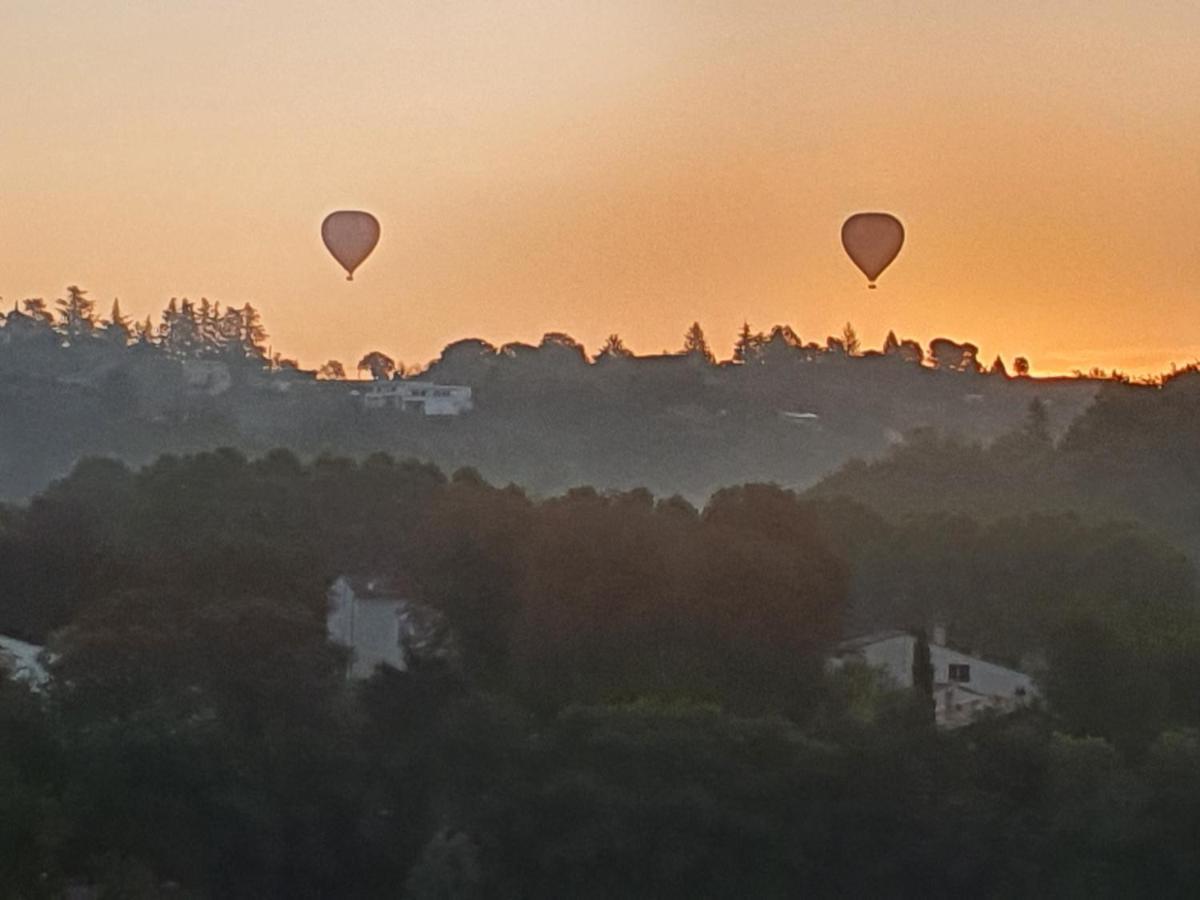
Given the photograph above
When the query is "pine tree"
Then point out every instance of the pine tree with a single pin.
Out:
(742, 347)
(208, 322)
(850, 340)
(145, 333)
(77, 312)
(694, 342)
(998, 368)
(891, 344)
(117, 329)
(922, 675)
(254, 335)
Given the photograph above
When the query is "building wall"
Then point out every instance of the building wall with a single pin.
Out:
(22, 661)
(990, 686)
(434, 399)
(369, 627)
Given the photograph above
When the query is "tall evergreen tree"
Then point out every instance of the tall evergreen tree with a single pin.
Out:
(694, 342)
(77, 313)
(850, 340)
(742, 347)
(922, 674)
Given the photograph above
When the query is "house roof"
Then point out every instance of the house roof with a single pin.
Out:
(855, 644)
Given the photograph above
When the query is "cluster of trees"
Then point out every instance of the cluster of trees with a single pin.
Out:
(1132, 454)
(186, 330)
(203, 330)
(636, 707)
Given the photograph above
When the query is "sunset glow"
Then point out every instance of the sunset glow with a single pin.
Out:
(597, 167)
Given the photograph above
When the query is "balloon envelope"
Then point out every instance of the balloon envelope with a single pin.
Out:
(350, 235)
(872, 241)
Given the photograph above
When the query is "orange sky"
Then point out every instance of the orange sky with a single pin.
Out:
(615, 165)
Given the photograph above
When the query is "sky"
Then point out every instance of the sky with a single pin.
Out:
(621, 166)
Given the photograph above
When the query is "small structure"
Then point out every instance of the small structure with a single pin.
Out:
(963, 685)
(22, 662)
(431, 399)
(380, 624)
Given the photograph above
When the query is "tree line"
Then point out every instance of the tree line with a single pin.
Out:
(205, 330)
(635, 705)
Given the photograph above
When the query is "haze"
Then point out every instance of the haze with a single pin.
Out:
(616, 166)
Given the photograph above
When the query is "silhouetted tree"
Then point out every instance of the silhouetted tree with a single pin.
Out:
(743, 350)
(850, 340)
(952, 356)
(332, 371)
(694, 342)
(77, 313)
(35, 307)
(998, 368)
(1021, 367)
(378, 364)
(613, 348)
(922, 674)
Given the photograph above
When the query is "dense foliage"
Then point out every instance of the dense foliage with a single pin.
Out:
(636, 708)
(74, 383)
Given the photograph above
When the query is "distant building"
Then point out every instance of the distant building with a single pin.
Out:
(22, 662)
(376, 619)
(963, 685)
(431, 399)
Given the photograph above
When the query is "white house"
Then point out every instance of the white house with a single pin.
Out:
(376, 620)
(432, 399)
(22, 661)
(963, 685)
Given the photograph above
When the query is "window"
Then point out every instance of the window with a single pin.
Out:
(960, 672)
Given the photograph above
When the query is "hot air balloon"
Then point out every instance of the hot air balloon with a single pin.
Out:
(872, 240)
(350, 235)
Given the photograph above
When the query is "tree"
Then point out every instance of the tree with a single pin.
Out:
(694, 342)
(118, 329)
(332, 371)
(951, 356)
(742, 347)
(380, 365)
(145, 333)
(35, 308)
(911, 351)
(998, 368)
(614, 348)
(922, 674)
(253, 334)
(78, 313)
(208, 322)
(890, 344)
(1021, 367)
(850, 340)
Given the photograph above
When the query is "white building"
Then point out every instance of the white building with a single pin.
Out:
(374, 619)
(963, 685)
(432, 399)
(22, 661)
